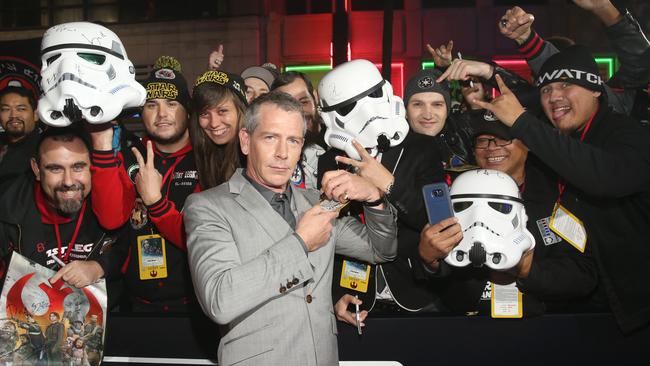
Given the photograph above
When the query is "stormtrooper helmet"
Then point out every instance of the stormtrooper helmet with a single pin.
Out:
(357, 103)
(85, 74)
(493, 219)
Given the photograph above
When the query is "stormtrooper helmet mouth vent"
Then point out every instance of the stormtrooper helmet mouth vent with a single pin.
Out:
(477, 254)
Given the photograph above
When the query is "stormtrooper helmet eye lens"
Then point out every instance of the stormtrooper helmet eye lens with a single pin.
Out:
(344, 110)
(52, 59)
(504, 208)
(377, 93)
(93, 58)
(461, 206)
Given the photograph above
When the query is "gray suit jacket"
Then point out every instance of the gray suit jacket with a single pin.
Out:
(242, 253)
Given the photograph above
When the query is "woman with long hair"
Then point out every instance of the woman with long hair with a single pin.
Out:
(219, 104)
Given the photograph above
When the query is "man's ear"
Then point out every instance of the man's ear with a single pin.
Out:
(35, 169)
(244, 141)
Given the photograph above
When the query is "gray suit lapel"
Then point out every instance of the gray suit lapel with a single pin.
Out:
(260, 210)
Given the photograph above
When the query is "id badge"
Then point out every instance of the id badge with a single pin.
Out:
(569, 227)
(355, 276)
(506, 301)
(152, 259)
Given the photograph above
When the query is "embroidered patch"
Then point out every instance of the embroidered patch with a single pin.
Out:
(425, 82)
(139, 216)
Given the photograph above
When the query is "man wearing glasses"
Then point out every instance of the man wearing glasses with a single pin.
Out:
(549, 276)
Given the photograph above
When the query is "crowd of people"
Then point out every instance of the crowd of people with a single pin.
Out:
(224, 205)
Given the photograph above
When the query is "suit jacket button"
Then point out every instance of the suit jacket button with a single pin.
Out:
(308, 298)
(295, 281)
(283, 289)
(289, 284)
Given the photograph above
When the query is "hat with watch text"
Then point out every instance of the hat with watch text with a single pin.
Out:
(166, 82)
(425, 81)
(573, 65)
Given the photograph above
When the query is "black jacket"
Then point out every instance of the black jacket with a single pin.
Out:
(15, 162)
(22, 230)
(416, 163)
(608, 187)
(164, 218)
(559, 274)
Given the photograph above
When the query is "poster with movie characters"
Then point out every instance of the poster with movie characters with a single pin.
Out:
(43, 323)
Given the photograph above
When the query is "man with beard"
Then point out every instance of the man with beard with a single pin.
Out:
(18, 141)
(49, 217)
(299, 86)
(164, 173)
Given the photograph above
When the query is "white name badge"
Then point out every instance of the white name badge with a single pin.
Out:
(506, 301)
(569, 227)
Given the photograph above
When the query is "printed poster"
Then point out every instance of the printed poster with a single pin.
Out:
(49, 324)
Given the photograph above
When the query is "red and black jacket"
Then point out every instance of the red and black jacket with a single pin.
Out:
(180, 179)
(27, 226)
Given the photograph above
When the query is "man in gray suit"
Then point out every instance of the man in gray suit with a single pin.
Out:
(263, 270)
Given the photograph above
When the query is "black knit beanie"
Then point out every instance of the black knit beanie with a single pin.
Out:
(166, 82)
(425, 81)
(573, 65)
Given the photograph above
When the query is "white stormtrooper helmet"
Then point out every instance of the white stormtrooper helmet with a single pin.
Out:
(357, 103)
(493, 219)
(85, 74)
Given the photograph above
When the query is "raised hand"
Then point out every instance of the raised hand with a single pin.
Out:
(344, 186)
(437, 241)
(465, 69)
(505, 107)
(603, 9)
(101, 135)
(215, 59)
(369, 168)
(148, 181)
(442, 55)
(516, 24)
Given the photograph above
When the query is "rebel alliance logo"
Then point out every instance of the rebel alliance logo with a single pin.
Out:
(569, 74)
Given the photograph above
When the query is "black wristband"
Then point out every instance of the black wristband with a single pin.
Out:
(378, 202)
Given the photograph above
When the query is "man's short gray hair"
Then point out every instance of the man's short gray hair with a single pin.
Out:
(279, 99)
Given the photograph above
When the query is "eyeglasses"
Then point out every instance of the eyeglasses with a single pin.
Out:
(484, 142)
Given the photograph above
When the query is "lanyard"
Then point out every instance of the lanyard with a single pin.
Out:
(170, 174)
(74, 235)
(560, 184)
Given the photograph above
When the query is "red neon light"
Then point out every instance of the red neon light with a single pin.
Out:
(331, 55)
(512, 62)
(398, 89)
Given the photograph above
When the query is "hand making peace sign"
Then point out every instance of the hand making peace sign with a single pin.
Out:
(148, 180)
